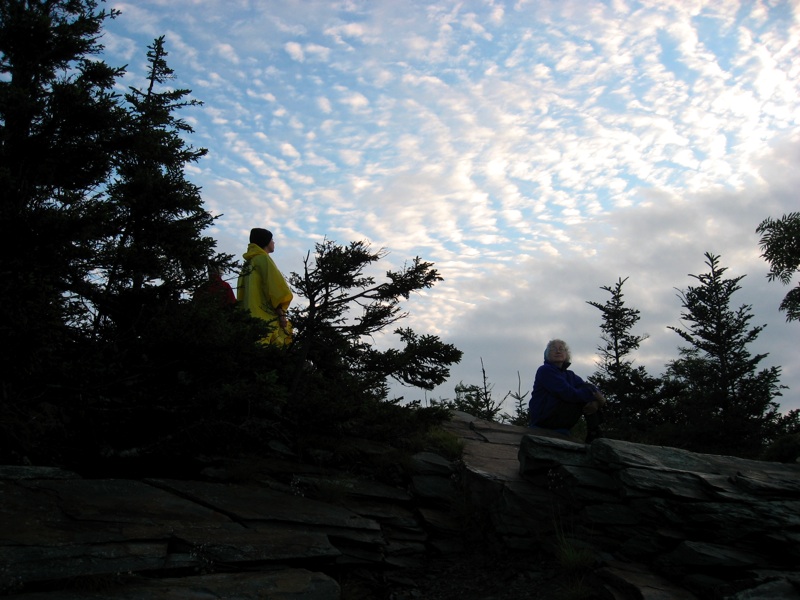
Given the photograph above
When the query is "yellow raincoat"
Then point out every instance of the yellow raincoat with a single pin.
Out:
(262, 290)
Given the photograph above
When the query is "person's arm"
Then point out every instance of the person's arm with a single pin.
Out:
(283, 318)
(567, 386)
(598, 396)
(596, 393)
(278, 292)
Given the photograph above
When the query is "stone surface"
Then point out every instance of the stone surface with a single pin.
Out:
(638, 581)
(661, 522)
(283, 584)
(428, 463)
(705, 523)
(254, 503)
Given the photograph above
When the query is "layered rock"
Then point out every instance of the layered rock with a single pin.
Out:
(244, 531)
(661, 523)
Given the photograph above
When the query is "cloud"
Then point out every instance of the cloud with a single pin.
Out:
(295, 51)
(228, 53)
(325, 105)
(355, 100)
(534, 151)
(289, 151)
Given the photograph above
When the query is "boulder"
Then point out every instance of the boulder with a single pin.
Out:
(703, 522)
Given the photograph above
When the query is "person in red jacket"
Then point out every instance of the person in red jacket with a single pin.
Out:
(216, 289)
(220, 289)
(560, 397)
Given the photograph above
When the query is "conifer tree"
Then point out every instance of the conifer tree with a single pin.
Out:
(340, 382)
(631, 393)
(477, 400)
(154, 249)
(138, 323)
(346, 307)
(721, 402)
(58, 135)
(100, 232)
(109, 355)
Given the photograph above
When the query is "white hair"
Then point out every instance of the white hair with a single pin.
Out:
(552, 343)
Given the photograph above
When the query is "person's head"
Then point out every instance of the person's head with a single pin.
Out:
(214, 271)
(261, 238)
(557, 351)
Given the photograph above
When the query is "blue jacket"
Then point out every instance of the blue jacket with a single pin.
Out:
(553, 385)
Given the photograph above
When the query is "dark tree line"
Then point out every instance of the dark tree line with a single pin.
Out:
(102, 233)
(714, 398)
(112, 349)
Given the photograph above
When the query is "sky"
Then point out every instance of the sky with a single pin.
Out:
(535, 151)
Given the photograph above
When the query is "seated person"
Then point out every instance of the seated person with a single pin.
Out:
(560, 397)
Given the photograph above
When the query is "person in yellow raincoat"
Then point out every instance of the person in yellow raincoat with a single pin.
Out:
(262, 289)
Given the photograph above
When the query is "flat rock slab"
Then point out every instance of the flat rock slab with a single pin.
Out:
(497, 461)
(647, 482)
(68, 511)
(764, 482)
(348, 486)
(391, 515)
(539, 454)
(22, 565)
(262, 544)
(64, 528)
(641, 582)
(256, 503)
(459, 425)
(16, 473)
(284, 584)
(496, 433)
(437, 490)
(428, 463)
(760, 474)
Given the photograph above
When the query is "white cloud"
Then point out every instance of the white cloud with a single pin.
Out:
(289, 151)
(320, 53)
(228, 52)
(325, 105)
(355, 100)
(351, 158)
(295, 50)
(534, 151)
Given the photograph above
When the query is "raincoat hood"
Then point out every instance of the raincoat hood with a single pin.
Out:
(253, 250)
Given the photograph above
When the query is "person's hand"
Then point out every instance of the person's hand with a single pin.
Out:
(601, 400)
(591, 407)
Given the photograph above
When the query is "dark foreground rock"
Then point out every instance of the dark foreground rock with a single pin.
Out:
(654, 523)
